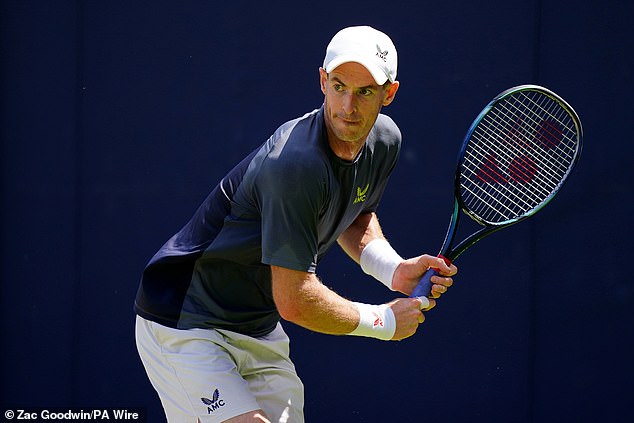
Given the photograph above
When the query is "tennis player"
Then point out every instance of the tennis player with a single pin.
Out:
(210, 301)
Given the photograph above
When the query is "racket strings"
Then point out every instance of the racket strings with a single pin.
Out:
(527, 153)
(508, 204)
(547, 133)
(516, 137)
(517, 156)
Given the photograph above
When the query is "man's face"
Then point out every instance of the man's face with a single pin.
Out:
(352, 102)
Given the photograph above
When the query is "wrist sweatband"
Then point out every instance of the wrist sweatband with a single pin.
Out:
(378, 259)
(375, 321)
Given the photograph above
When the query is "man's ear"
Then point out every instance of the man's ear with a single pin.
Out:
(323, 78)
(391, 93)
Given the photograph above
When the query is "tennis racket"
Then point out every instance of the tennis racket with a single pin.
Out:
(514, 159)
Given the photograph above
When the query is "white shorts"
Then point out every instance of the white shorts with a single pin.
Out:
(213, 375)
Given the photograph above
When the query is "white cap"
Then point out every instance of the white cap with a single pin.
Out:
(366, 46)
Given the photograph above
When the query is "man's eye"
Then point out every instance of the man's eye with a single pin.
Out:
(338, 87)
(365, 92)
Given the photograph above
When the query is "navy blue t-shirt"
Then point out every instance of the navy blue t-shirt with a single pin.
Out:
(285, 204)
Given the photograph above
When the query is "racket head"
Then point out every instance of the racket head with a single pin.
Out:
(517, 155)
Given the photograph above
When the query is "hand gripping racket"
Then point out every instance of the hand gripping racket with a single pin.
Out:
(515, 157)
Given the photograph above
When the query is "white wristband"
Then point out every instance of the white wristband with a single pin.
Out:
(378, 259)
(375, 321)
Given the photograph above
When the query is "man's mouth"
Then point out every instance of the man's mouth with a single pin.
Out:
(349, 121)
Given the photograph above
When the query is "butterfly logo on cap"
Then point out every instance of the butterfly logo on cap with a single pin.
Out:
(380, 53)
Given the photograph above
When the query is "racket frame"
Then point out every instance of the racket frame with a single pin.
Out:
(452, 253)
(459, 205)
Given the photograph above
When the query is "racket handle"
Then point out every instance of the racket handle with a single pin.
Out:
(424, 285)
(423, 289)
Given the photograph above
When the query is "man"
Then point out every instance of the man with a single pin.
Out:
(210, 300)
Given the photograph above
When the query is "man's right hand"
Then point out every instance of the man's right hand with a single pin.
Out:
(409, 315)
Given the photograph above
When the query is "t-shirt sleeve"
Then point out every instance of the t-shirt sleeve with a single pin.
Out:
(290, 196)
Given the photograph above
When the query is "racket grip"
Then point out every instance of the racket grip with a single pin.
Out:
(423, 289)
(424, 285)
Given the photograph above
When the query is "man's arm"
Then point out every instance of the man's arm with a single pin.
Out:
(366, 228)
(301, 298)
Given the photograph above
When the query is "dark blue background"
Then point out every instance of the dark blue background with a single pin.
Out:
(117, 117)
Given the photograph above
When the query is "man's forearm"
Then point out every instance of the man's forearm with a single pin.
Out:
(302, 299)
(363, 230)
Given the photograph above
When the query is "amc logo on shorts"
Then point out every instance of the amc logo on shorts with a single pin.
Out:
(214, 403)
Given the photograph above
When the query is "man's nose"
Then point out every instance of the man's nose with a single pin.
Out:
(349, 104)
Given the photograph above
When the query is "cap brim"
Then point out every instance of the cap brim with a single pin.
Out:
(378, 74)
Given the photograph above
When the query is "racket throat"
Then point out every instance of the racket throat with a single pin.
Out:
(445, 251)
